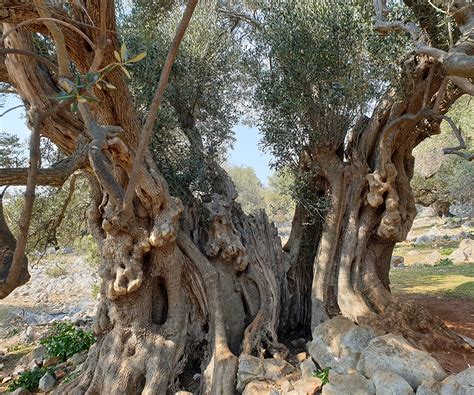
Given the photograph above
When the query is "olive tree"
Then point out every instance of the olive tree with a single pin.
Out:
(190, 285)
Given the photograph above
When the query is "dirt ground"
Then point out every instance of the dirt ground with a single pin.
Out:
(457, 314)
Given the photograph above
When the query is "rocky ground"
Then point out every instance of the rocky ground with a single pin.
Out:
(63, 287)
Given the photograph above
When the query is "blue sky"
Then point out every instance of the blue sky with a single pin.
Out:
(244, 153)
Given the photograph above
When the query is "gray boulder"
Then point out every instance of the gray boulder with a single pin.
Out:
(460, 384)
(257, 369)
(47, 382)
(389, 383)
(337, 344)
(352, 383)
(393, 353)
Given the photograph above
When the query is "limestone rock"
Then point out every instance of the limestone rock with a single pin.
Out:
(459, 384)
(307, 368)
(307, 385)
(433, 258)
(47, 382)
(393, 353)
(183, 393)
(252, 368)
(389, 383)
(464, 253)
(259, 387)
(51, 361)
(397, 260)
(337, 343)
(78, 358)
(352, 383)
(429, 387)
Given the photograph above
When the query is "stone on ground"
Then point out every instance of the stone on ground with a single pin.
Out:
(252, 368)
(337, 343)
(389, 383)
(459, 384)
(393, 353)
(47, 382)
(259, 387)
(352, 383)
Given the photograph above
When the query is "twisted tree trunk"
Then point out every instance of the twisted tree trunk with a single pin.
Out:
(187, 290)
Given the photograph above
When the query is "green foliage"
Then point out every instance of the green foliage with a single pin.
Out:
(95, 289)
(87, 245)
(56, 271)
(29, 379)
(249, 188)
(323, 375)
(279, 202)
(447, 250)
(11, 151)
(200, 105)
(315, 73)
(79, 91)
(65, 340)
(48, 204)
(445, 262)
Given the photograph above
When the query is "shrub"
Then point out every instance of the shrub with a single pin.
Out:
(447, 250)
(66, 340)
(95, 289)
(445, 262)
(88, 246)
(56, 271)
(322, 374)
(29, 380)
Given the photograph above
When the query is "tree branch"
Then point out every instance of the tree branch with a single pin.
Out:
(58, 38)
(18, 261)
(22, 52)
(155, 104)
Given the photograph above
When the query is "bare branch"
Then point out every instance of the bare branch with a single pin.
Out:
(22, 52)
(58, 38)
(18, 261)
(464, 84)
(10, 109)
(241, 17)
(55, 20)
(98, 160)
(53, 176)
(458, 133)
(155, 104)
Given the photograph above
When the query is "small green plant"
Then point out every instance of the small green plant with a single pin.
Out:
(322, 374)
(445, 262)
(447, 250)
(95, 289)
(87, 245)
(56, 271)
(66, 340)
(29, 379)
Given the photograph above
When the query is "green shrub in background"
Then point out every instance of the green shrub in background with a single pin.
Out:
(65, 340)
(29, 380)
(87, 245)
(447, 250)
(445, 262)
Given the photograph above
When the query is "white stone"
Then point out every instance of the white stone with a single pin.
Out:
(47, 382)
(337, 343)
(389, 383)
(352, 383)
(393, 353)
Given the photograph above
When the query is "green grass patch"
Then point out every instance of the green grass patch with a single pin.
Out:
(442, 280)
(29, 379)
(65, 340)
